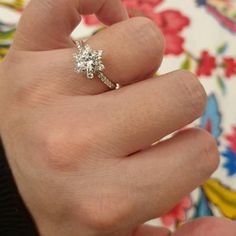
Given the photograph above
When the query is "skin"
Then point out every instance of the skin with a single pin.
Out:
(81, 155)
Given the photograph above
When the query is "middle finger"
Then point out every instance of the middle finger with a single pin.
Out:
(134, 117)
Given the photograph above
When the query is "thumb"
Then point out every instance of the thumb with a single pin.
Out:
(208, 226)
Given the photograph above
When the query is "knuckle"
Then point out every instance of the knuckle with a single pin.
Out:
(106, 213)
(56, 146)
(193, 92)
(62, 151)
(208, 152)
(100, 220)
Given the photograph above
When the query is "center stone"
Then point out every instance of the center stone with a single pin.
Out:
(89, 61)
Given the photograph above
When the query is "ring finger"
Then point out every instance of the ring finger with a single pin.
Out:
(133, 50)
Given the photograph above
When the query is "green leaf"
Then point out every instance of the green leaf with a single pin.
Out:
(221, 84)
(222, 48)
(187, 63)
(7, 35)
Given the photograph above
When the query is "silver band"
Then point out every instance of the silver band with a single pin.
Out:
(89, 62)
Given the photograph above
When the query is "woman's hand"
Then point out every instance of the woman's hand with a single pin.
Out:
(69, 141)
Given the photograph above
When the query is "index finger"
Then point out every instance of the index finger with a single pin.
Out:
(48, 24)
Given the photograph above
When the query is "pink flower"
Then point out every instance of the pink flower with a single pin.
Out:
(232, 139)
(142, 4)
(178, 213)
(171, 22)
(174, 44)
(230, 66)
(206, 65)
(150, 2)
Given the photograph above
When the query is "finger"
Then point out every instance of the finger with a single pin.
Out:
(143, 113)
(48, 24)
(133, 51)
(208, 226)
(147, 230)
(158, 178)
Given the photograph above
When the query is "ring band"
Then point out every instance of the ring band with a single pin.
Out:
(89, 62)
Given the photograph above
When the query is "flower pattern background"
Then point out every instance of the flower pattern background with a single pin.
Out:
(200, 37)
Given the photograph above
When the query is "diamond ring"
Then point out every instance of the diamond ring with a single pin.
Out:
(89, 62)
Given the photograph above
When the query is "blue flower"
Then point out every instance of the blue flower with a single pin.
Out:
(211, 120)
(230, 163)
(202, 207)
(201, 2)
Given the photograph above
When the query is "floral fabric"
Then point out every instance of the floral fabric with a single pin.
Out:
(200, 37)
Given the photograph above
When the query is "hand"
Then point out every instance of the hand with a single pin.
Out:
(74, 147)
